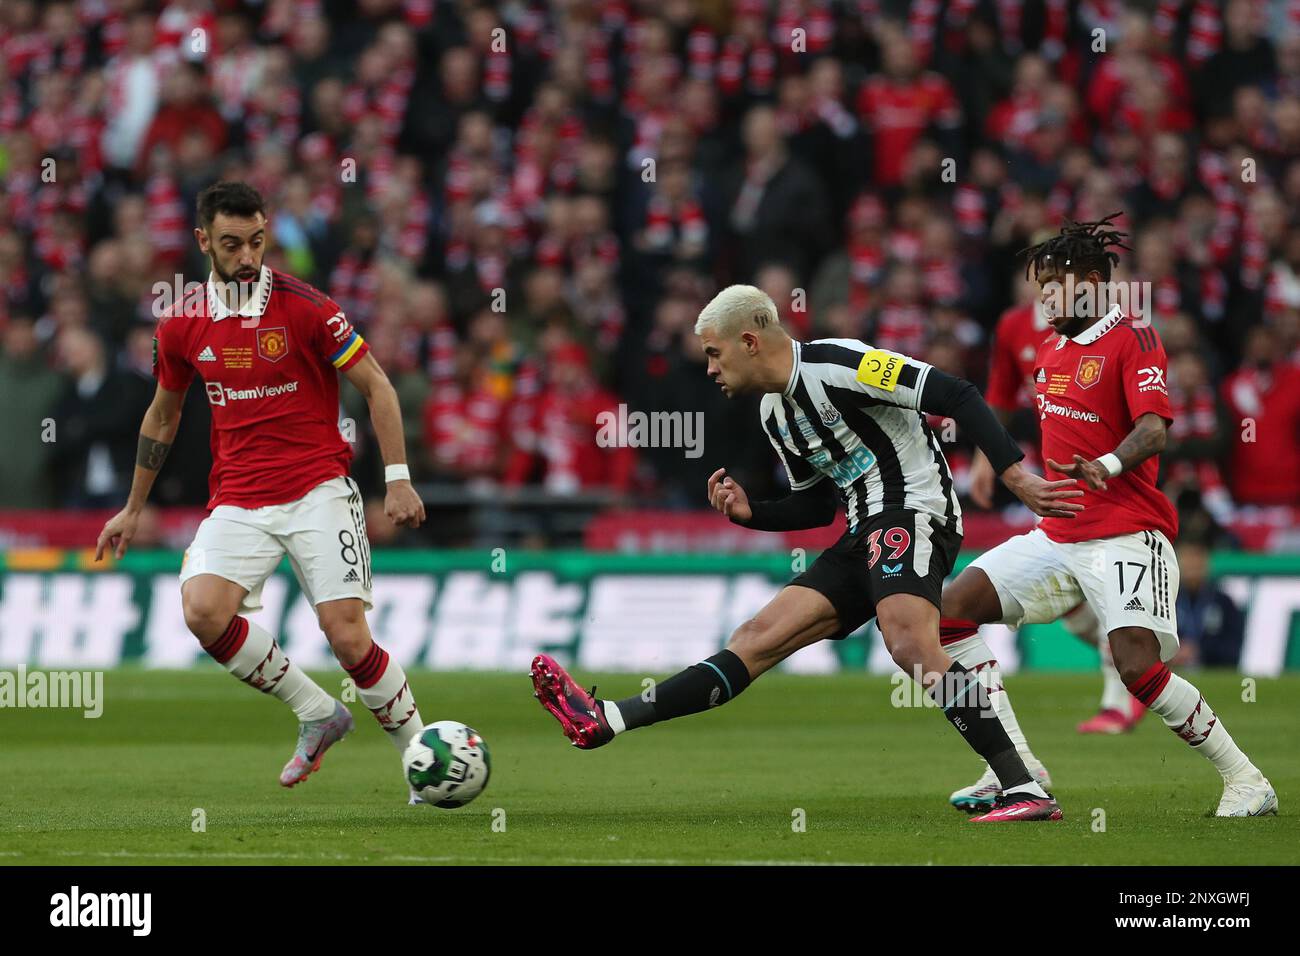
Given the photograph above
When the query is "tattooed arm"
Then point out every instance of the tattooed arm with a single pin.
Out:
(1146, 439)
(157, 432)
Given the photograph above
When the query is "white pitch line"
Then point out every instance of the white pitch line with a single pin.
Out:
(345, 857)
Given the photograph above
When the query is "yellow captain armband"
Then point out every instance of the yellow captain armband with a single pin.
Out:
(881, 369)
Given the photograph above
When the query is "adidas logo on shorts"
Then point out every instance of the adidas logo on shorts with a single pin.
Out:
(1134, 605)
(351, 576)
(207, 355)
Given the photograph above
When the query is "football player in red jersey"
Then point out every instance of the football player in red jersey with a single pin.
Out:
(1104, 411)
(269, 350)
(1020, 330)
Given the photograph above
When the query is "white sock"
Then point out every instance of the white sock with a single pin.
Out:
(382, 687)
(1114, 695)
(252, 655)
(974, 655)
(614, 716)
(1031, 787)
(1186, 713)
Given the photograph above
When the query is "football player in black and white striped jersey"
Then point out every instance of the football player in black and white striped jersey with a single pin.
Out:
(848, 422)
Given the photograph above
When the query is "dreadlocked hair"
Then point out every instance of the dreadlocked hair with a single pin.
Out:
(1080, 247)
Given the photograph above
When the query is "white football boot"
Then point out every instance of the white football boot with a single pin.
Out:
(980, 796)
(314, 738)
(1247, 795)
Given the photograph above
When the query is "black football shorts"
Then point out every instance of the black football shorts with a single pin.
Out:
(894, 552)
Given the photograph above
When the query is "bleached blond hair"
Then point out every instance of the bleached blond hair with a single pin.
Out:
(736, 309)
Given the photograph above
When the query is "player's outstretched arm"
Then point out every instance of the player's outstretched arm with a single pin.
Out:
(1043, 497)
(1147, 438)
(402, 505)
(957, 398)
(982, 475)
(812, 507)
(157, 432)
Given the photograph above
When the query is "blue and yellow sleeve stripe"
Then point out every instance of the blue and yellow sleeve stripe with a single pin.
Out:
(352, 349)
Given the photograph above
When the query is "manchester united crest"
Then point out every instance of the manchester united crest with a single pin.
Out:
(272, 344)
(1089, 373)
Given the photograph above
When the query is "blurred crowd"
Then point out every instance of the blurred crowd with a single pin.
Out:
(524, 205)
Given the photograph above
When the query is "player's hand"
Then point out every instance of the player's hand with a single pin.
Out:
(1046, 498)
(982, 478)
(728, 497)
(1093, 472)
(402, 505)
(117, 534)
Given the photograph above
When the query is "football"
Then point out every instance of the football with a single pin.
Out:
(448, 765)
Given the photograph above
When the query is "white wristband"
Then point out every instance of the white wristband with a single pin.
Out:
(399, 473)
(1111, 463)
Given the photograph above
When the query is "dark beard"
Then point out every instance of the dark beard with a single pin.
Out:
(230, 277)
(235, 293)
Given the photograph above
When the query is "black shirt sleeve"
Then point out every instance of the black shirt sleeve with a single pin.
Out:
(943, 394)
(813, 507)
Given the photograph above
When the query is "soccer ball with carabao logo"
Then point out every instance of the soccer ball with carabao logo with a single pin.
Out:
(448, 764)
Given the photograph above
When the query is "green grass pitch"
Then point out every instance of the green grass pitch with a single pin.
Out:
(872, 781)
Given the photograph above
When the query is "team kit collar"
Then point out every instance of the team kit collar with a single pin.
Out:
(251, 309)
(1093, 332)
(794, 370)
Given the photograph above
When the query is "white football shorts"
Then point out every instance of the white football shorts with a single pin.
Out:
(1130, 580)
(323, 533)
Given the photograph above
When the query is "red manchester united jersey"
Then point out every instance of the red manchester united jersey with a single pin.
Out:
(1019, 332)
(1090, 390)
(271, 374)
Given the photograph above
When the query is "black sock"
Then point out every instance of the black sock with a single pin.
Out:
(965, 703)
(709, 683)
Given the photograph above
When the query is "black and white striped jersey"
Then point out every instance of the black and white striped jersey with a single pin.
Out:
(851, 413)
